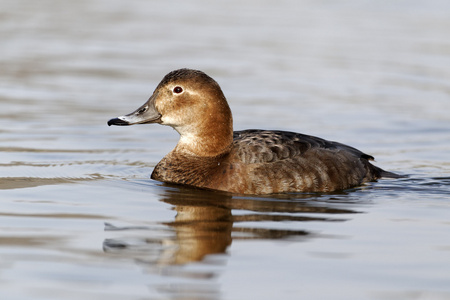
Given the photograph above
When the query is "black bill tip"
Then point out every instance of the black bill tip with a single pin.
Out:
(118, 122)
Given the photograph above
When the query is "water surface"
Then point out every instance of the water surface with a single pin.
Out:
(80, 218)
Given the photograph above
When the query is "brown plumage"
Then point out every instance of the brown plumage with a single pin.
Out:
(210, 155)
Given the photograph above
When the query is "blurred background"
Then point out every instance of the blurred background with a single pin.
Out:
(371, 74)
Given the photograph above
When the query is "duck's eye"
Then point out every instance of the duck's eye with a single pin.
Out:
(177, 89)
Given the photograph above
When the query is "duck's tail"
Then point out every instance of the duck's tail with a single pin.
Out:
(376, 173)
(380, 173)
(386, 174)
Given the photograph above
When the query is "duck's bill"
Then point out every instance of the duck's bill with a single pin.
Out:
(145, 114)
(131, 120)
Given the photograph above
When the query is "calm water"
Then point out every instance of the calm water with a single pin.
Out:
(80, 218)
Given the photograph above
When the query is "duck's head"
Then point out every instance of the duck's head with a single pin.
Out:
(194, 105)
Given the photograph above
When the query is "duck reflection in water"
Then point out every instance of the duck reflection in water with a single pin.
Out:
(205, 225)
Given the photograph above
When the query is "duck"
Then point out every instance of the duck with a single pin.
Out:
(210, 155)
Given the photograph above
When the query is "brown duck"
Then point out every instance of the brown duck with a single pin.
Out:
(210, 155)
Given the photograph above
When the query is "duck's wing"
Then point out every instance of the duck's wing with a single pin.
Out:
(266, 146)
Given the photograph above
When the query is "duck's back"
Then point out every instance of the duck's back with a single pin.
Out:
(280, 161)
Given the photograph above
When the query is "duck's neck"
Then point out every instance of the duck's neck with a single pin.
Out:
(206, 139)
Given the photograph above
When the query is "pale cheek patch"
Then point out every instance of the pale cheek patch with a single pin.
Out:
(171, 120)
